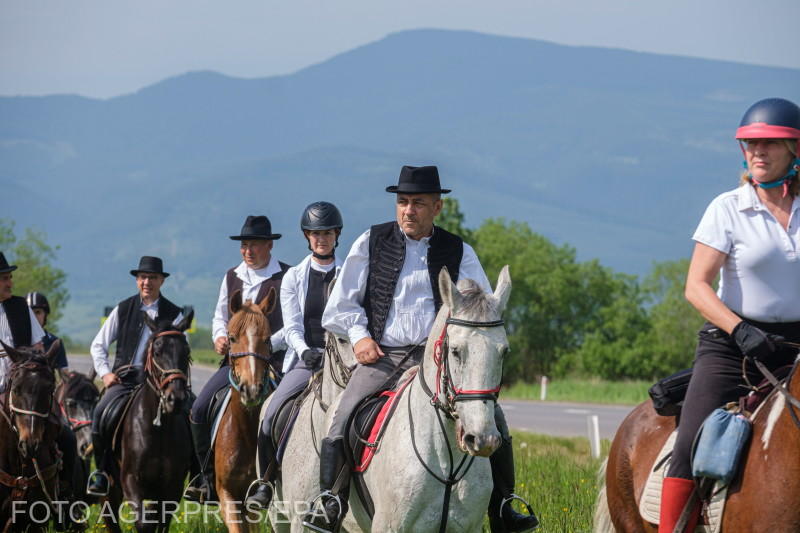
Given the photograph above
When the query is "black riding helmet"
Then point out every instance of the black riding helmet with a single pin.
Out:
(321, 216)
(37, 300)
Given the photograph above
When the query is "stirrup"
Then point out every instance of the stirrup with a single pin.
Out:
(89, 483)
(257, 483)
(517, 497)
(318, 498)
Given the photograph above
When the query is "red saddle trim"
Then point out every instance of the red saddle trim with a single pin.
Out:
(376, 431)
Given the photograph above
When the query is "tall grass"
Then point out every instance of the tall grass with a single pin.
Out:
(582, 391)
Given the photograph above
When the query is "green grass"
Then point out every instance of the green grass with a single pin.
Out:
(556, 475)
(206, 357)
(582, 391)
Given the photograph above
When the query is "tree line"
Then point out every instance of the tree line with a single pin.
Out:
(565, 317)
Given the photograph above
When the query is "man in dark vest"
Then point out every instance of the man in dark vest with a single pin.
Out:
(18, 325)
(258, 272)
(125, 325)
(385, 302)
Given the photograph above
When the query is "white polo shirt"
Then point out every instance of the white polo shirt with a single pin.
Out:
(760, 278)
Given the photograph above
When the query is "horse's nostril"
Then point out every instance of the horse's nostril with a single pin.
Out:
(469, 440)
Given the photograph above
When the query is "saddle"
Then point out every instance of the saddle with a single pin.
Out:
(284, 420)
(111, 418)
(365, 429)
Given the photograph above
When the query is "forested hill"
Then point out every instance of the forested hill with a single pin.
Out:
(614, 152)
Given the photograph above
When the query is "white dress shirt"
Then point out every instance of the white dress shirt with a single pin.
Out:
(293, 300)
(37, 334)
(251, 283)
(760, 278)
(412, 311)
(109, 333)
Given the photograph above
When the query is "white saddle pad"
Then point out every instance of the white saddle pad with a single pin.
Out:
(650, 502)
(218, 418)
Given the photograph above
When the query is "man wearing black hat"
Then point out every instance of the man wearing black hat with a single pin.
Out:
(125, 325)
(18, 325)
(258, 272)
(385, 302)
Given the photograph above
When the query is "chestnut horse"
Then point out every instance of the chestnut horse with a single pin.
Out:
(762, 497)
(155, 448)
(251, 382)
(29, 457)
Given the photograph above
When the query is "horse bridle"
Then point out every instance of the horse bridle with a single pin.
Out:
(447, 394)
(166, 375)
(29, 365)
(267, 380)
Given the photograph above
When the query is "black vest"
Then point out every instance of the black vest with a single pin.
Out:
(275, 318)
(387, 252)
(130, 319)
(316, 298)
(19, 320)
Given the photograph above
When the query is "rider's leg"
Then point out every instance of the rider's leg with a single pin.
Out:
(334, 471)
(69, 452)
(201, 486)
(292, 384)
(98, 480)
(502, 517)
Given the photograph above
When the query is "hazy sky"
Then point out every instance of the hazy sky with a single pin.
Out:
(104, 48)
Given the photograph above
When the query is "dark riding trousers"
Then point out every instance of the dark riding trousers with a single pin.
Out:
(717, 379)
(129, 377)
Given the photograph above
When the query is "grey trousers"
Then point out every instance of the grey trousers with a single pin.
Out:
(369, 379)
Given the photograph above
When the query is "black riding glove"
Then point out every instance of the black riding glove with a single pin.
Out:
(755, 342)
(311, 357)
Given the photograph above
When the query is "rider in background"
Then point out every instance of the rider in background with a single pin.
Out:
(125, 325)
(385, 302)
(41, 308)
(18, 324)
(304, 293)
(750, 236)
(258, 272)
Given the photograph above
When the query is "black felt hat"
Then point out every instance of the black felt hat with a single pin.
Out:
(150, 265)
(418, 180)
(4, 266)
(255, 228)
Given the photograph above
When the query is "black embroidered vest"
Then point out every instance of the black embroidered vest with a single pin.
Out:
(19, 320)
(130, 319)
(387, 251)
(316, 298)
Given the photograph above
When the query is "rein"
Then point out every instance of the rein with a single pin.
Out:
(166, 375)
(783, 386)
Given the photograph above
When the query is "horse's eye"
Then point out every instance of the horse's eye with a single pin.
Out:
(232, 338)
(456, 353)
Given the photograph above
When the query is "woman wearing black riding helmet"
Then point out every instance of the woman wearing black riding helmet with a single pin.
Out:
(41, 309)
(750, 237)
(304, 292)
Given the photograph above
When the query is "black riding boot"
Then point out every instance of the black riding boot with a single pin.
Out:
(333, 499)
(201, 485)
(502, 517)
(262, 496)
(98, 480)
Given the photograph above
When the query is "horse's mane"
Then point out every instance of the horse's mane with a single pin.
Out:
(475, 302)
(249, 315)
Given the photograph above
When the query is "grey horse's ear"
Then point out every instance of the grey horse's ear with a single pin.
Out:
(503, 290)
(235, 303)
(447, 289)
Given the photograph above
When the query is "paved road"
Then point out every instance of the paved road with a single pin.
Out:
(550, 418)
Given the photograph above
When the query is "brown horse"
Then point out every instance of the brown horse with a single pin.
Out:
(76, 396)
(763, 496)
(250, 377)
(155, 446)
(29, 457)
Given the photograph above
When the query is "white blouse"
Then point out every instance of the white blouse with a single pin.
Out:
(760, 278)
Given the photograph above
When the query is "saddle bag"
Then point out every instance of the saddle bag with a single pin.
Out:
(668, 394)
(723, 436)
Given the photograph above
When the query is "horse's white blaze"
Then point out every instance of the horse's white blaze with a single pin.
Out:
(772, 419)
(252, 344)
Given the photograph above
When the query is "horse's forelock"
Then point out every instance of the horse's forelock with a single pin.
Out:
(35, 362)
(249, 315)
(475, 303)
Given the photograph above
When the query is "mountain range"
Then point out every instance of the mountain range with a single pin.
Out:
(615, 152)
